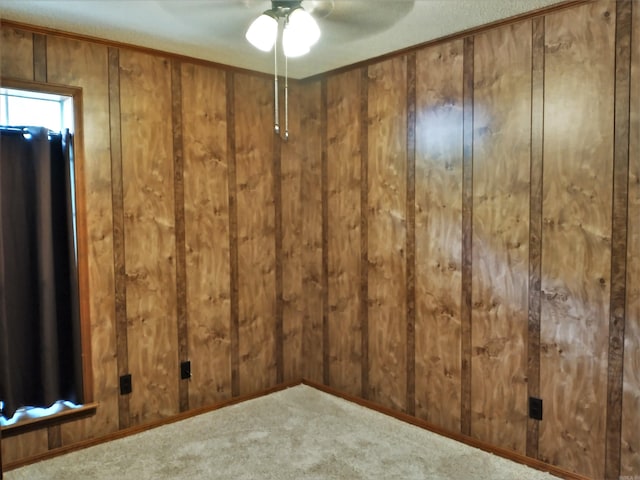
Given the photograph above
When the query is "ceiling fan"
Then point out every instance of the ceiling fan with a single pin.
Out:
(296, 23)
(339, 20)
(299, 33)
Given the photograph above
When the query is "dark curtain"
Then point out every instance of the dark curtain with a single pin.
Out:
(40, 348)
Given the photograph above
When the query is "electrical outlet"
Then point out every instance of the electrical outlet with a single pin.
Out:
(125, 384)
(185, 370)
(535, 408)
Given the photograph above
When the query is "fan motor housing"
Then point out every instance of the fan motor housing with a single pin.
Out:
(285, 3)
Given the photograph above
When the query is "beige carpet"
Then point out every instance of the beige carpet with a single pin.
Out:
(297, 433)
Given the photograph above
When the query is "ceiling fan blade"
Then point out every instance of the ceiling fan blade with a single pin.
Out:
(352, 19)
(205, 15)
(339, 20)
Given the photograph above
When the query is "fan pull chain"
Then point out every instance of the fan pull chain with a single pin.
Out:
(286, 98)
(275, 90)
(276, 103)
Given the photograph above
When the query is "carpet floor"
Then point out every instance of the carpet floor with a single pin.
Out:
(297, 433)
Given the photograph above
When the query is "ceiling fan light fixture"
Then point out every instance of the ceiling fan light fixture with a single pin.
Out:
(263, 31)
(300, 31)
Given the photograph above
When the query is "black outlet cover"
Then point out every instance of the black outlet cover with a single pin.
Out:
(185, 370)
(535, 408)
(125, 384)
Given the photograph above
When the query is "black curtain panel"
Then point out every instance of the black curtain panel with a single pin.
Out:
(40, 348)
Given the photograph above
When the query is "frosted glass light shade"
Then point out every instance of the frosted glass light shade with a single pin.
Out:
(262, 33)
(291, 45)
(300, 32)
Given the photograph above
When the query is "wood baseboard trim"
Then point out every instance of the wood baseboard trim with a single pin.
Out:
(472, 442)
(149, 426)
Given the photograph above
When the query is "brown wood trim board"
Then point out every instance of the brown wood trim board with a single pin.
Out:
(502, 452)
(535, 227)
(473, 442)
(118, 230)
(619, 228)
(455, 36)
(411, 234)
(43, 31)
(180, 228)
(38, 29)
(148, 426)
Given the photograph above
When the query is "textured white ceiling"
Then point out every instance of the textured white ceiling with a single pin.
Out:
(213, 30)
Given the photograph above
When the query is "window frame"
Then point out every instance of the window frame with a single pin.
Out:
(81, 241)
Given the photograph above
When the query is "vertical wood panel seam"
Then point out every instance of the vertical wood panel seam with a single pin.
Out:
(619, 219)
(277, 193)
(180, 232)
(411, 234)
(39, 57)
(233, 235)
(324, 173)
(535, 226)
(364, 226)
(117, 198)
(467, 226)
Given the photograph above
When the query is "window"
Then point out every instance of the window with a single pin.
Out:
(25, 107)
(56, 109)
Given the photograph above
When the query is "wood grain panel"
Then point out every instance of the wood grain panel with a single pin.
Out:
(206, 206)
(54, 437)
(344, 210)
(576, 236)
(535, 225)
(256, 230)
(312, 236)
(438, 233)
(147, 171)
(617, 316)
(85, 65)
(301, 109)
(16, 54)
(501, 158)
(39, 57)
(630, 444)
(25, 445)
(387, 178)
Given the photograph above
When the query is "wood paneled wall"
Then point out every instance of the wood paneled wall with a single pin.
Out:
(195, 215)
(449, 231)
(488, 176)
(576, 235)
